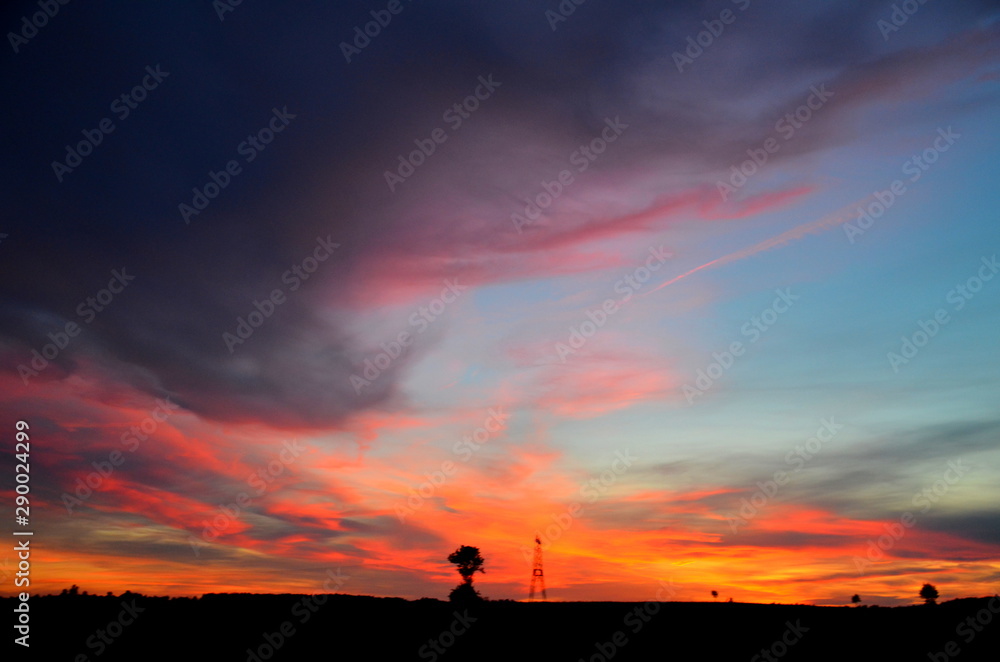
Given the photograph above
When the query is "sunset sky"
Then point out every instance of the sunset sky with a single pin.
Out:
(718, 311)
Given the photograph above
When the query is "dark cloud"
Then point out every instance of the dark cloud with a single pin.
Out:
(322, 176)
(787, 539)
(981, 526)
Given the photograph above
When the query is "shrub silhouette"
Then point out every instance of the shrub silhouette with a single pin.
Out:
(469, 562)
(929, 594)
(464, 595)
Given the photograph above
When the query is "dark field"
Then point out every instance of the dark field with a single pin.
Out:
(335, 627)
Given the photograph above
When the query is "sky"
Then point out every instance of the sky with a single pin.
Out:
(700, 293)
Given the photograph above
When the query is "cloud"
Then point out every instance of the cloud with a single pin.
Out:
(322, 179)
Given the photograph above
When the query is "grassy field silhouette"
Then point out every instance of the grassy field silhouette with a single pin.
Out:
(255, 627)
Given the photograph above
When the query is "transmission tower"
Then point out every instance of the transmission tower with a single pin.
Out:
(537, 575)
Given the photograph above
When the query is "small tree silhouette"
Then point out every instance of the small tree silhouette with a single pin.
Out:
(715, 595)
(855, 598)
(929, 594)
(469, 562)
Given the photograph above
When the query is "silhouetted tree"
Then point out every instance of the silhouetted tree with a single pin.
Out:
(929, 594)
(855, 598)
(715, 595)
(468, 561)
